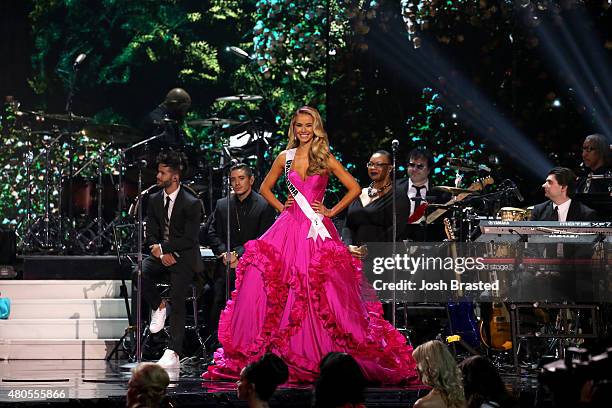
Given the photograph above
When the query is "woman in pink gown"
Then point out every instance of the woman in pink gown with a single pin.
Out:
(299, 293)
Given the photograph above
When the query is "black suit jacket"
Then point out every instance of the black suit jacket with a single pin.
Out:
(183, 230)
(577, 212)
(416, 232)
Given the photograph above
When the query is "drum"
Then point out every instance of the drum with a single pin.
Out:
(511, 214)
(528, 212)
(85, 195)
(82, 194)
(111, 191)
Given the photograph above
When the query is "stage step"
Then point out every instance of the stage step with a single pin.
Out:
(62, 319)
(68, 308)
(56, 349)
(62, 328)
(61, 289)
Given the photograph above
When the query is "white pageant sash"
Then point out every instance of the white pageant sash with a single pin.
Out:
(317, 228)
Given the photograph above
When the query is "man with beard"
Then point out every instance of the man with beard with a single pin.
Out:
(172, 227)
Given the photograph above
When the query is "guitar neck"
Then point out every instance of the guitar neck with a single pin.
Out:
(437, 213)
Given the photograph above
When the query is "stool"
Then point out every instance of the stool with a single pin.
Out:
(165, 289)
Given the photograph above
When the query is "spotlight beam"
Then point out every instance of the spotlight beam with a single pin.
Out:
(578, 69)
(485, 118)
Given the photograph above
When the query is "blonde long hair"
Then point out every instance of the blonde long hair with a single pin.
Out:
(319, 148)
(439, 370)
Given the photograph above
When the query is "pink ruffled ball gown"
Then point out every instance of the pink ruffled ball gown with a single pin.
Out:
(301, 299)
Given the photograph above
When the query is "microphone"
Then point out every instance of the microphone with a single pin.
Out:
(142, 163)
(516, 191)
(79, 60)
(239, 52)
(394, 144)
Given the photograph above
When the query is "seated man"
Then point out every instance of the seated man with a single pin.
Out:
(172, 226)
(414, 193)
(559, 188)
(250, 217)
(597, 160)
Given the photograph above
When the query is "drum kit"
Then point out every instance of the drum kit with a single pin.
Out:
(74, 180)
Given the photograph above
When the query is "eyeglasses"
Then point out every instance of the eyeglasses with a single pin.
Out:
(377, 165)
(588, 149)
(418, 166)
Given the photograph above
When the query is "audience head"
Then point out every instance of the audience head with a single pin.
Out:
(340, 382)
(482, 382)
(147, 386)
(259, 380)
(438, 369)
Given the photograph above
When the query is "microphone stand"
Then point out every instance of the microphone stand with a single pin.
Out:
(228, 254)
(258, 84)
(394, 246)
(140, 231)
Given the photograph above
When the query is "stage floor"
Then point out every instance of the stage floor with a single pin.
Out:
(97, 383)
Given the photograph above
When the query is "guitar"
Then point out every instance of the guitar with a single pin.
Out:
(476, 186)
(499, 324)
(461, 313)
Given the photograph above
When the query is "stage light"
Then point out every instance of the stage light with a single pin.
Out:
(556, 103)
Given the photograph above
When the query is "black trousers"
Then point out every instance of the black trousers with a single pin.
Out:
(180, 276)
(219, 299)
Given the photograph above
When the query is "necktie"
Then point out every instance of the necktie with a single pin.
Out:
(166, 219)
(555, 215)
(418, 198)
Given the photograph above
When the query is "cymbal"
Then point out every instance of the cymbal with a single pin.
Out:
(452, 190)
(213, 122)
(118, 134)
(240, 98)
(60, 117)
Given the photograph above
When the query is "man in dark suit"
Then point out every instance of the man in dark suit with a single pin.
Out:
(173, 222)
(559, 187)
(413, 193)
(250, 217)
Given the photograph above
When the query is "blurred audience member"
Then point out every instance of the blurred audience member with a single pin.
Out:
(438, 369)
(483, 386)
(259, 380)
(147, 387)
(341, 382)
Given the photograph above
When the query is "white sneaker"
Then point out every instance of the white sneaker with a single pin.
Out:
(169, 360)
(158, 319)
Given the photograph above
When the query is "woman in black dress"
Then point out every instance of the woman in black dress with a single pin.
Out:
(370, 217)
